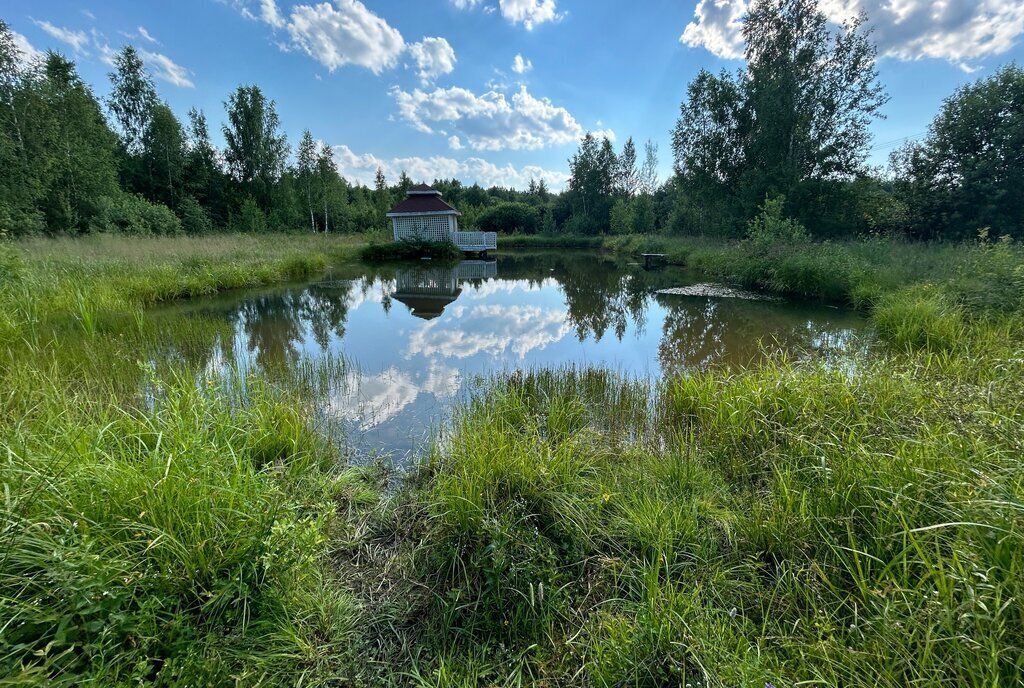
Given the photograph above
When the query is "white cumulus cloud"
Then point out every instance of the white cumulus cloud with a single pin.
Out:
(343, 33)
(491, 121)
(361, 168)
(339, 33)
(270, 13)
(465, 4)
(529, 13)
(521, 65)
(434, 57)
(953, 30)
(717, 27)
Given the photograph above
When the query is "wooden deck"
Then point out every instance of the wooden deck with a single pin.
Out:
(651, 258)
(476, 242)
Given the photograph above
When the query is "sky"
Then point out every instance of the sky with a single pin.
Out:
(491, 91)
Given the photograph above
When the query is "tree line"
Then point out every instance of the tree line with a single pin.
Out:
(792, 127)
(790, 131)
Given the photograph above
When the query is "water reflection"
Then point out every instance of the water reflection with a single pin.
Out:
(427, 292)
(417, 335)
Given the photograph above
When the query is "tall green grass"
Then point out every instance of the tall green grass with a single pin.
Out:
(813, 524)
(183, 541)
(159, 525)
(780, 525)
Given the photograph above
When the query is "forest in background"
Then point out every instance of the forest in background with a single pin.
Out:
(788, 134)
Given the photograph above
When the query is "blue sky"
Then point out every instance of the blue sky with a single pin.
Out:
(495, 91)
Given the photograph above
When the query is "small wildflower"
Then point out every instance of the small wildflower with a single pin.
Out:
(606, 497)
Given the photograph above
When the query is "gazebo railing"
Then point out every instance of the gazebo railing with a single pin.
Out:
(477, 241)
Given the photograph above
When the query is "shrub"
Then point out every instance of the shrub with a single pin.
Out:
(991, 276)
(133, 214)
(249, 218)
(621, 221)
(160, 219)
(411, 250)
(194, 218)
(16, 222)
(510, 218)
(769, 227)
(10, 265)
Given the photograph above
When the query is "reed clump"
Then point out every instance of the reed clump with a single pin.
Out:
(770, 526)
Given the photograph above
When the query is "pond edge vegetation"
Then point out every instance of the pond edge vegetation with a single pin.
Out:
(501, 505)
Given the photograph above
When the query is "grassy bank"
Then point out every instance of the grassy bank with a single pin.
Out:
(793, 523)
(779, 526)
(857, 273)
(153, 529)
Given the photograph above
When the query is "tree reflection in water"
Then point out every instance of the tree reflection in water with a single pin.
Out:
(414, 335)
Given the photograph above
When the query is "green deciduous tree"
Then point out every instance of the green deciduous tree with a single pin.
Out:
(628, 176)
(327, 174)
(132, 98)
(968, 173)
(649, 170)
(26, 150)
(593, 172)
(519, 218)
(163, 156)
(83, 147)
(306, 171)
(204, 178)
(256, 149)
(797, 115)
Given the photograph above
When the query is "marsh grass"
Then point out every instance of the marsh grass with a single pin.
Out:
(181, 539)
(159, 525)
(789, 524)
(170, 518)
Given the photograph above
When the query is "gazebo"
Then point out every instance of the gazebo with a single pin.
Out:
(425, 216)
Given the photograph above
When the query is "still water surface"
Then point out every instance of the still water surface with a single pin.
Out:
(416, 337)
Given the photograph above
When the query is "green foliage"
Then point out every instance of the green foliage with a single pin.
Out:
(991, 276)
(132, 99)
(795, 118)
(256, 149)
(622, 217)
(967, 173)
(770, 227)
(194, 218)
(163, 156)
(10, 264)
(249, 218)
(509, 218)
(133, 214)
(411, 249)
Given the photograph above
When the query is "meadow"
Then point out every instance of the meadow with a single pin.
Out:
(789, 523)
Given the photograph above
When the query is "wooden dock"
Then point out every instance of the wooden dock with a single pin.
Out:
(476, 242)
(650, 258)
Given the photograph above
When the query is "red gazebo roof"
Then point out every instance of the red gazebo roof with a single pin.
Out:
(423, 199)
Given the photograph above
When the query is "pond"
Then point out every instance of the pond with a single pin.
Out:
(415, 338)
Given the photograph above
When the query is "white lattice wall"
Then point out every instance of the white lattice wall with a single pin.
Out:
(425, 227)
